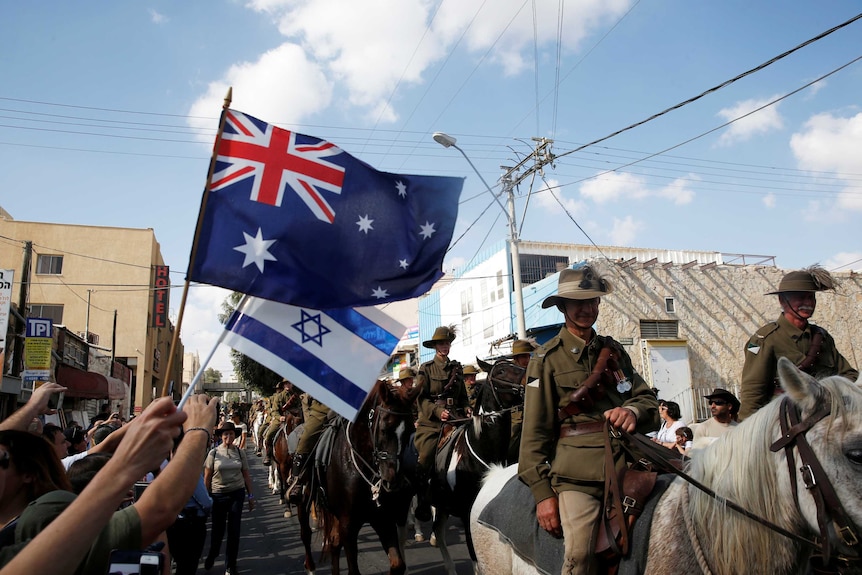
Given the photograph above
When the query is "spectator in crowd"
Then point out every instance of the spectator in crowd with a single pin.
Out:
(82, 471)
(103, 415)
(792, 335)
(60, 534)
(671, 420)
(30, 469)
(77, 439)
(684, 440)
(241, 430)
(229, 483)
(723, 406)
(55, 436)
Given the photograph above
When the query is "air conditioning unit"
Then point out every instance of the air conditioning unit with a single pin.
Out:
(93, 338)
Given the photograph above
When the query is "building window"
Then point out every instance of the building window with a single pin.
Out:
(466, 331)
(49, 265)
(488, 324)
(669, 305)
(53, 312)
(467, 302)
(535, 267)
(500, 285)
(483, 290)
(659, 329)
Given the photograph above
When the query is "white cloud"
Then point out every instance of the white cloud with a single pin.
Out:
(844, 261)
(621, 185)
(362, 44)
(625, 230)
(769, 200)
(830, 143)
(157, 17)
(453, 263)
(812, 91)
(758, 123)
(266, 89)
(544, 198)
(678, 191)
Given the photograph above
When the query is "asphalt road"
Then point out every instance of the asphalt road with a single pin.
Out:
(270, 543)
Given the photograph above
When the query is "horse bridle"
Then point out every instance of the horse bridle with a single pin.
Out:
(374, 481)
(829, 508)
(793, 430)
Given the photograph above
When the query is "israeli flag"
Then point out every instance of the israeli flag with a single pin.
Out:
(334, 355)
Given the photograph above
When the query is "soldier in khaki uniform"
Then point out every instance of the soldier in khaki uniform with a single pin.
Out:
(563, 461)
(470, 372)
(809, 346)
(522, 350)
(316, 414)
(443, 398)
(277, 403)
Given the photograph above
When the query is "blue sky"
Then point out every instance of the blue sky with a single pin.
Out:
(109, 111)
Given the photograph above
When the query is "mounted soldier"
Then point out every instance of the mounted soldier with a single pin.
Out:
(316, 415)
(808, 346)
(575, 382)
(442, 398)
(277, 403)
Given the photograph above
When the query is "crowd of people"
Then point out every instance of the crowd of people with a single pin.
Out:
(69, 492)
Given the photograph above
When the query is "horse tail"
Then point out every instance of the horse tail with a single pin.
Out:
(328, 524)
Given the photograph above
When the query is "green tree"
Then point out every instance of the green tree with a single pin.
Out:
(212, 375)
(248, 372)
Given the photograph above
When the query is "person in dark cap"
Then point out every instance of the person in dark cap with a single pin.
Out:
(724, 407)
(792, 335)
(575, 381)
(443, 398)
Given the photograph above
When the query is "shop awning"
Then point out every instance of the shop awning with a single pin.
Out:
(89, 385)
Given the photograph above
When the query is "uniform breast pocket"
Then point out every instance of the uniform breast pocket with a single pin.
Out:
(569, 380)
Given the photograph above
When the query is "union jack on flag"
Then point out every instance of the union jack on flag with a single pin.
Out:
(276, 161)
(371, 237)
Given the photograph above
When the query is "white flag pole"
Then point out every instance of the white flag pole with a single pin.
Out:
(206, 362)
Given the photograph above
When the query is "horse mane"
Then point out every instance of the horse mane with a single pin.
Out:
(740, 467)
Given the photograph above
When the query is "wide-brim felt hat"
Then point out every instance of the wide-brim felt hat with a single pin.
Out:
(719, 393)
(578, 284)
(226, 426)
(406, 373)
(442, 334)
(811, 279)
(470, 370)
(521, 346)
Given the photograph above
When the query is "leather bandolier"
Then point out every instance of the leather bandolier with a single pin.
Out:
(808, 361)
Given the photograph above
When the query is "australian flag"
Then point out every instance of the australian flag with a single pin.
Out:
(294, 219)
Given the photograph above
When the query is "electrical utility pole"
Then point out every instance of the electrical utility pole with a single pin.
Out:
(512, 176)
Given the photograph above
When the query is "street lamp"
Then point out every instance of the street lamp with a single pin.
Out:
(448, 141)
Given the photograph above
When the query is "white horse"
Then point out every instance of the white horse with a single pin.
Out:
(695, 533)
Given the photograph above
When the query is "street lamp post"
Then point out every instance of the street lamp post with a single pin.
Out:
(508, 186)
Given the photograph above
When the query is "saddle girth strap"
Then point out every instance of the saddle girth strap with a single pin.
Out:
(613, 504)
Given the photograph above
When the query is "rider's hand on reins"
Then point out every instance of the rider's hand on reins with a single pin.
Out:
(622, 418)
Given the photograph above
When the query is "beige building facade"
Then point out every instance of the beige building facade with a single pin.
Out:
(98, 282)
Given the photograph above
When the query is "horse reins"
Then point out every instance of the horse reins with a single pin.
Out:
(663, 458)
(829, 508)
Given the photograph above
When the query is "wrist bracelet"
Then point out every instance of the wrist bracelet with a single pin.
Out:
(251, 495)
(205, 430)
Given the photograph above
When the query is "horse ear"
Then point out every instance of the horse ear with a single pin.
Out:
(484, 365)
(803, 389)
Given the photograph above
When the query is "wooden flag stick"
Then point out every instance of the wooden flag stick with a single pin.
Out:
(166, 384)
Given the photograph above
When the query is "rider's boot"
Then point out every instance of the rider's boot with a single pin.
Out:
(267, 458)
(299, 473)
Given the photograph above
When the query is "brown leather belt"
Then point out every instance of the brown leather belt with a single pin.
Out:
(445, 402)
(575, 429)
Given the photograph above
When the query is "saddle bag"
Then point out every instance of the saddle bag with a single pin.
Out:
(626, 494)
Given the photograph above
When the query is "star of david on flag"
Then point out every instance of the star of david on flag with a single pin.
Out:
(295, 219)
(334, 355)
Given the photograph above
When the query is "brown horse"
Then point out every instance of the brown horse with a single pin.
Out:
(363, 482)
(282, 458)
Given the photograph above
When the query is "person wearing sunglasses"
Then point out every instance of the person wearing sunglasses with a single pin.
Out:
(809, 346)
(724, 408)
